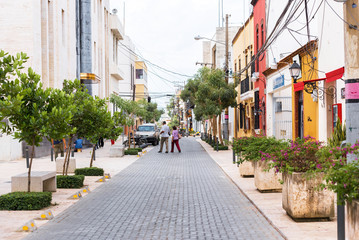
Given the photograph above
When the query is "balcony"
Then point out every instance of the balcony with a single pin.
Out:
(245, 85)
(116, 27)
(116, 72)
(246, 93)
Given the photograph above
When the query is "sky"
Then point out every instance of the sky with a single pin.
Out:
(163, 32)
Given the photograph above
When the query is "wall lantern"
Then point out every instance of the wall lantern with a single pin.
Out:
(294, 71)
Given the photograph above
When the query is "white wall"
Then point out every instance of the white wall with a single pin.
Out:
(36, 28)
(126, 61)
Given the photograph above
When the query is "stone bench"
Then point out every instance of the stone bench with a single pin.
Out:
(60, 165)
(41, 181)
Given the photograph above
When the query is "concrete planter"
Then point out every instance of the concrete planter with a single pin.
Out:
(352, 220)
(60, 165)
(266, 181)
(302, 200)
(117, 151)
(246, 169)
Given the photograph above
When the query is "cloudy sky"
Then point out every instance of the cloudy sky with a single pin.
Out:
(163, 32)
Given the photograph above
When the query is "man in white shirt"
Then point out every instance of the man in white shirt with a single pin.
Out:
(165, 133)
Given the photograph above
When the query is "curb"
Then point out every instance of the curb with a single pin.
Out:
(250, 200)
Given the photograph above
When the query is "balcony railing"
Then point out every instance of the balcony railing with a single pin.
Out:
(245, 85)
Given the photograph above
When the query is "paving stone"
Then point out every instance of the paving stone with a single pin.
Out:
(163, 196)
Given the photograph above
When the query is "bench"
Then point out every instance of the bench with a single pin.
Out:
(41, 181)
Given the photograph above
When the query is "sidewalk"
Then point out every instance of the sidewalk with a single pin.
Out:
(270, 204)
(10, 221)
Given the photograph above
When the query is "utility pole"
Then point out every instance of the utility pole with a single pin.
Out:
(352, 77)
(225, 127)
(351, 52)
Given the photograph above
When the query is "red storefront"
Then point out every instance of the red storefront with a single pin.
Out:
(259, 19)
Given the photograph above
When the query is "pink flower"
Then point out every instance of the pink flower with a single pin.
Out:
(345, 186)
(319, 166)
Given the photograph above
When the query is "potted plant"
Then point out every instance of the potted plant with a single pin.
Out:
(343, 178)
(266, 179)
(246, 167)
(302, 175)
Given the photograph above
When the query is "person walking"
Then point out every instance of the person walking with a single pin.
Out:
(59, 146)
(175, 139)
(165, 133)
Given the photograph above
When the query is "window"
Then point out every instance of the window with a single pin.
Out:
(257, 45)
(241, 113)
(115, 49)
(63, 27)
(246, 65)
(139, 73)
(262, 33)
(256, 110)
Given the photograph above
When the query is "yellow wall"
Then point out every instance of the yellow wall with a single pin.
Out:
(141, 92)
(140, 65)
(310, 108)
(243, 41)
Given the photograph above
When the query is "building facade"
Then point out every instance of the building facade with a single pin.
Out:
(243, 53)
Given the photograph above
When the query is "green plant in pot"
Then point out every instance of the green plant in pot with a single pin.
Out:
(303, 173)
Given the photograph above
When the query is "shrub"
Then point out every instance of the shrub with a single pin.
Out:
(138, 149)
(131, 152)
(25, 200)
(299, 156)
(220, 147)
(260, 145)
(92, 171)
(76, 181)
(340, 177)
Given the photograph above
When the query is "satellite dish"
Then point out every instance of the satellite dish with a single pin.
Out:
(114, 11)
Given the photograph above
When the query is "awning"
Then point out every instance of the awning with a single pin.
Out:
(334, 75)
(298, 86)
(330, 77)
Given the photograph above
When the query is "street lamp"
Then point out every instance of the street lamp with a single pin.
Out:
(198, 37)
(294, 71)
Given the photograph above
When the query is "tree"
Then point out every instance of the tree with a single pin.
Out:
(210, 94)
(27, 107)
(79, 97)
(95, 122)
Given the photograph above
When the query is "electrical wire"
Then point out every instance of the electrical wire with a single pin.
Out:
(350, 25)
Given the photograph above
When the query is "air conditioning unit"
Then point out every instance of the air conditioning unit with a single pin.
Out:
(278, 107)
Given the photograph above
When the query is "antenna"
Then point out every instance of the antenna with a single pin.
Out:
(114, 11)
(124, 15)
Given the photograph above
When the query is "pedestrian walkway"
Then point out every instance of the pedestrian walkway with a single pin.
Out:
(163, 196)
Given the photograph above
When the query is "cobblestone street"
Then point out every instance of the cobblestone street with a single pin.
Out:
(163, 196)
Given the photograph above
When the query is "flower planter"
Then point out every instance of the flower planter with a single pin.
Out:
(266, 181)
(302, 200)
(352, 219)
(246, 169)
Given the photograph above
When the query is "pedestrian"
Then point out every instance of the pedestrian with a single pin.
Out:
(58, 146)
(165, 133)
(175, 139)
(78, 145)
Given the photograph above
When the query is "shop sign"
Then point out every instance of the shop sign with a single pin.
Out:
(278, 82)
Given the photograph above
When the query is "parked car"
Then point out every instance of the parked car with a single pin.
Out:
(150, 132)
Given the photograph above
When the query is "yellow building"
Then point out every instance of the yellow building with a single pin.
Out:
(243, 53)
(305, 109)
(141, 89)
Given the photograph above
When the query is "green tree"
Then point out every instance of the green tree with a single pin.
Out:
(95, 122)
(30, 111)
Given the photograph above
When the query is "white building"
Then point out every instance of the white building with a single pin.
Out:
(64, 40)
(214, 54)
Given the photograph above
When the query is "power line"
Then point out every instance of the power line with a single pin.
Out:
(149, 62)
